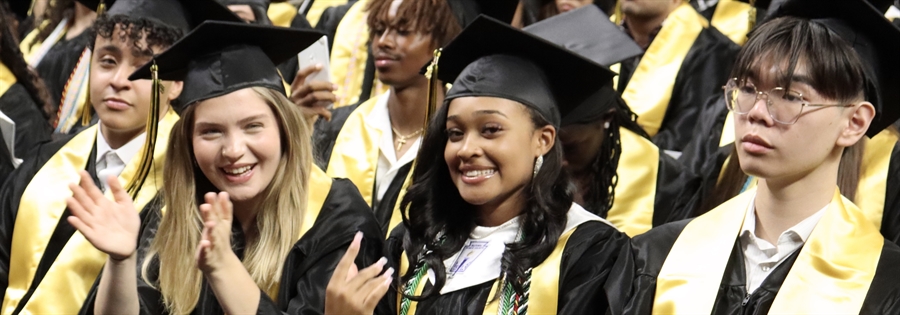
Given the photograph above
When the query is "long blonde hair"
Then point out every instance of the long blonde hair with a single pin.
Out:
(278, 221)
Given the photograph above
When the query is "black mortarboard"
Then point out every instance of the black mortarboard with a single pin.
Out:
(95, 4)
(873, 37)
(601, 41)
(467, 11)
(181, 14)
(491, 58)
(218, 58)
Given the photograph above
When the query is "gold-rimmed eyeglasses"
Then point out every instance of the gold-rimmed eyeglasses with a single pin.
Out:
(784, 106)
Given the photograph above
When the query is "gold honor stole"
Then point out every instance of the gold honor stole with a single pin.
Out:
(650, 88)
(318, 7)
(35, 53)
(68, 281)
(870, 193)
(355, 157)
(281, 13)
(838, 260)
(544, 294)
(7, 79)
(319, 187)
(349, 54)
(635, 192)
(732, 18)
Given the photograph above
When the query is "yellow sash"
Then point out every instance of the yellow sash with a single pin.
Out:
(67, 282)
(838, 260)
(319, 186)
(355, 157)
(7, 79)
(318, 7)
(349, 54)
(732, 18)
(635, 193)
(281, 13)
(650, 88)
(870, 194)
(544, 294)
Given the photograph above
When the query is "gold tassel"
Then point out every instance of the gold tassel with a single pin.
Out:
(751, 21)
(433, 85)
(150, 143)
(101, 8)
(618, 13)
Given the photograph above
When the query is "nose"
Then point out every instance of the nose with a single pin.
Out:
(120, 80)
(468, 149)
(760, 110)
(386, 40)
(233, 149)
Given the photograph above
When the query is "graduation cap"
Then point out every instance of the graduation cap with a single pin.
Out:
(467, 11)
(98, 6)
(181, 14)
(491, 58)
(219, 57)
(874, 39)
(602, 42)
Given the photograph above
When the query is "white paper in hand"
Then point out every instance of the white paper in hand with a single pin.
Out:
(8, 129)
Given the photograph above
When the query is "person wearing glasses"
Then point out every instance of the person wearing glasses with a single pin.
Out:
(868, 175)
(807, 85)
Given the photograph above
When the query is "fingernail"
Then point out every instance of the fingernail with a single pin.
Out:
(334, 87)
(319, 66)
(382, 261)
(389, 272)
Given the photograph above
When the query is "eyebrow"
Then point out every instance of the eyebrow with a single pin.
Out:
(110, 49)
(483, 112)
(240, 122)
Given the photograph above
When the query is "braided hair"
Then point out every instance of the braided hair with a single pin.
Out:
(11, 56)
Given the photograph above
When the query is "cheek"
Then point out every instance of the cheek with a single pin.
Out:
(269, 145)
(205, 152)
(450, 155)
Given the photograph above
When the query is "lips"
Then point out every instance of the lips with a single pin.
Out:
(473, 175)
(382, 59)
(755, 144)
(238, 174)
(116, 103)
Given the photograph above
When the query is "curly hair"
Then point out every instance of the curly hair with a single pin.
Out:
(432, 17)
(133, 29)
(11, 56)
(439, 220)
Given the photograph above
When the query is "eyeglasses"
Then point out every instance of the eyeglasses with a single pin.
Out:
(784, 106)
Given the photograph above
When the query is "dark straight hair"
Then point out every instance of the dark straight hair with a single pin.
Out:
(439, 221)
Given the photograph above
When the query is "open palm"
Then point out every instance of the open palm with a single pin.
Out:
(111, 226)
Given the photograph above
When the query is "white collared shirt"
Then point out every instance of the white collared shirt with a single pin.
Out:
(480, 258)
(388, 163)
(112, 161)
(760, 256)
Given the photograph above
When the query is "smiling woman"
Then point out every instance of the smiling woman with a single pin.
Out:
(242, 149)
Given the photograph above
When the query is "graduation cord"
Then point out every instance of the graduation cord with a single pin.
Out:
(511, 303)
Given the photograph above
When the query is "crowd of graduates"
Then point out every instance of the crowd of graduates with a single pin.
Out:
(450, 157)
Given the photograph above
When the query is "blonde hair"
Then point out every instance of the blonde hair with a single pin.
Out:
(278, 220)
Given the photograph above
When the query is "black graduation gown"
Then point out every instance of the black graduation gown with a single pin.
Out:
(6, 162)
(32, 127)
(634, 278)
(703, 72)
(590, 252)
(307, 269)
(10, 197)
(324, 135)
(57, 65)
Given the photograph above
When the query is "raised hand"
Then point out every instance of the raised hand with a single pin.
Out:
(111, 226)
(215, 242)
(354, 291)
(313, 97)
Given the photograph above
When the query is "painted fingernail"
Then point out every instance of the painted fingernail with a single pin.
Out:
(389, 273)
(382, 261)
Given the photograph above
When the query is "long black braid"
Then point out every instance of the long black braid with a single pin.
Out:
(11, 56)
(601, 187)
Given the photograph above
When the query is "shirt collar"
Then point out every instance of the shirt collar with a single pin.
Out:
(802, 229)
(125, 152)
(380, 118)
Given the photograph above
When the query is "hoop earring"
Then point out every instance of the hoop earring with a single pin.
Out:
(537, 166)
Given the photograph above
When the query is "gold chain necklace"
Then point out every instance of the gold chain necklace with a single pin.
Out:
(401, 139)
